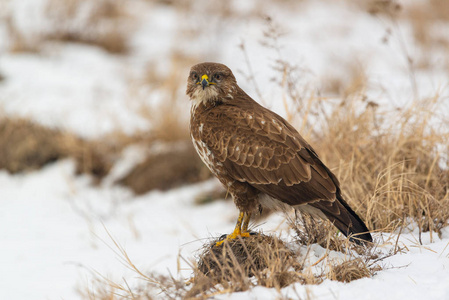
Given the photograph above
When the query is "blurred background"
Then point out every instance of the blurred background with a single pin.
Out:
(93, 111)
(101, 75)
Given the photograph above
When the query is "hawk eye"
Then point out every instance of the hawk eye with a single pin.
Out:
(195, 76)
(218, 76)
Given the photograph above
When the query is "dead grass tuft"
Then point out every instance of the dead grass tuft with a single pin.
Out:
(360, 261)
(389, 172)
(249, 255)
(168, 118)
(352, 83)
(27, 146)
(18, 40)
(427, 20)
(353, 269)
(310, 231)
(231, 266)
(390, 8)
(423, 18)
(102, 23)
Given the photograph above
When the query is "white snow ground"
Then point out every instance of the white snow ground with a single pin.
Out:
(55, 236)
(53, 223)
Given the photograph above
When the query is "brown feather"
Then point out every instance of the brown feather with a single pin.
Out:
(253, 151)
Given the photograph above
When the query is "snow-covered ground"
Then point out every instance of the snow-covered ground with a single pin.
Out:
(54, 224)
(56, 228)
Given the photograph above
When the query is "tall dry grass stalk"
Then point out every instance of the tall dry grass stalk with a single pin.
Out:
(390, 165)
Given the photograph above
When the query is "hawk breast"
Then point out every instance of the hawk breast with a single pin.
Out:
(206, 155)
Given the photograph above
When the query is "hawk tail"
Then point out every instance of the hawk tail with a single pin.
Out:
(347, 221)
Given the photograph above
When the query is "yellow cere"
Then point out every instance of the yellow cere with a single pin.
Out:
(207, 79)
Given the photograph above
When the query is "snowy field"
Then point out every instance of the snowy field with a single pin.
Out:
(56, 226)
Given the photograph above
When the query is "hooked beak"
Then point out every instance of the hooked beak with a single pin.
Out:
(204, 81)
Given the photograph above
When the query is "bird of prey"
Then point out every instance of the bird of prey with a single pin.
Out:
(259, 157)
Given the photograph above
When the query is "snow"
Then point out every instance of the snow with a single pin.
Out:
(420, 273)
(56, 224)
(76, 88)
(57, 235)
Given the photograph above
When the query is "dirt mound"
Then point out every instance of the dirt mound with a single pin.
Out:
(237, 263)
(166, 170)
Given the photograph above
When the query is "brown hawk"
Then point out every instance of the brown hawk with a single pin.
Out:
(258, 156)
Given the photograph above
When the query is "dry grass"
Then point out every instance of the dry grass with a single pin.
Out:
(313, 231)
(427, 20)
(360, 261)
(389, 172)
(18, 40)
(265, 258)
(27, 146)
(106, 23)
(353, 269)
(423, 16)
(168, 119)
(239, 265)
(390, 8)
(353, 82)
(102, 23)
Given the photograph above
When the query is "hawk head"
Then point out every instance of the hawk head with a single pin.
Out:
(211, 83)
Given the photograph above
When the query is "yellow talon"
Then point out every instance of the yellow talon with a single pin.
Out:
(240, 230)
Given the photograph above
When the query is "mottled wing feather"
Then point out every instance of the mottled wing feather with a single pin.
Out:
(314, 190)
(262, 149)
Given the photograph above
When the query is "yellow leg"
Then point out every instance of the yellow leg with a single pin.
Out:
(238, 226)
(239, 230)
(246, 222)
